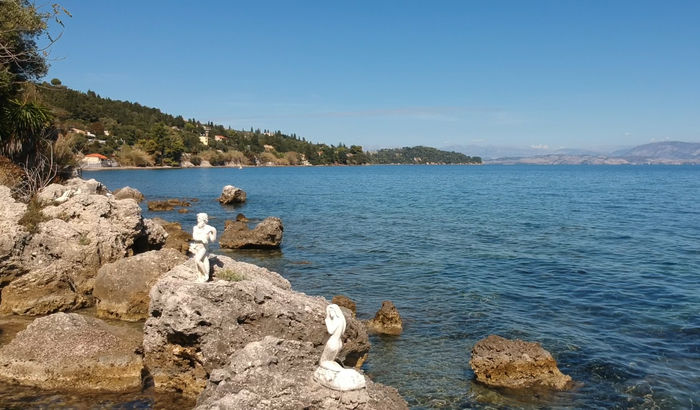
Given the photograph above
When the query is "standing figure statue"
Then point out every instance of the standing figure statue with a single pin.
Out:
(202, 234)
(329, 373)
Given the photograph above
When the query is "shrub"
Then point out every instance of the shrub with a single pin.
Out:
(134, 157)
(195, 160)
(33, 216)
(230, 275)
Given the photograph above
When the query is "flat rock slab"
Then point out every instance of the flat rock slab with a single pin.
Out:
(278, 374)
(516, 364)
(68, 351)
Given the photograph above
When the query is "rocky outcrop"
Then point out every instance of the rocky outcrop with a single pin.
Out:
(177, 238)
(267, 234)
(167, 204)
(516, 364)
(153, 237)
(11, 233)
(232, 195)
(75, 186)
(53, 269)
(122, 287)
(346, 302)
(387, 320)
(194, 328)
(275, 373)
(72, 352)
(128, 192)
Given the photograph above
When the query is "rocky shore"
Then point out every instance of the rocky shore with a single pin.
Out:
(245, 339)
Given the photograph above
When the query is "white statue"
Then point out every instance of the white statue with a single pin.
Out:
(329, 373)
(202, 234)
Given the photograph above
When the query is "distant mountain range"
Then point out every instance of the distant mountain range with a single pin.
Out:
(667, 152)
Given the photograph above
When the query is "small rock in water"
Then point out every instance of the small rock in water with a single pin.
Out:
(387, 320)
(516, 364)
(345, 302)
(232, 195)
(267, 234)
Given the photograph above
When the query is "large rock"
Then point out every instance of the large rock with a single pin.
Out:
(73, 352)
(387, 320)
(267, 234)
(72, 187)
(517, 364)
(177, 238)
(58, 262)
(122, 287)
(153, 237)
(275, 373)
(128, 192)
(232, 195)
(346, 302)
(11, 233)
(194, 328)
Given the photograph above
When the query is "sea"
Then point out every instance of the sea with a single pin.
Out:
(599, 264)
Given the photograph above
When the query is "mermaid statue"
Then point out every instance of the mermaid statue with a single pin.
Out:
(329, 373)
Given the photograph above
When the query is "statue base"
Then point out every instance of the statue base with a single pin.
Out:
(339, 378)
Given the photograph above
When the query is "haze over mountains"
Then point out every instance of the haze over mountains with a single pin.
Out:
(666, 152)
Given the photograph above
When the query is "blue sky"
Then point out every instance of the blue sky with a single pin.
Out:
(551, 74)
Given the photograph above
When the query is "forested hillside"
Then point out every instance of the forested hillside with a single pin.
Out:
(137, 135)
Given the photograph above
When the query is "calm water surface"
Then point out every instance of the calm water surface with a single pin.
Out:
(599, 264)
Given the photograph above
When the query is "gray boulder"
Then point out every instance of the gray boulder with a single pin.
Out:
(73, 352)
(267, 234)
(128, 192)
(232, 195)
(194, 328)
(122, 287)
(11, 233)
(516, 364)
(176, 237)
(275, 373)
(72, 187)
(59, 261)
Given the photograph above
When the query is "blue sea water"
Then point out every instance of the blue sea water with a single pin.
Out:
(601, 264)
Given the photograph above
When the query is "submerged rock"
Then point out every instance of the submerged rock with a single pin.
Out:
(194, 328)
(500, 362)
(128, 192)
(387, 320)
(277, 373)
(122, 287)
(267, 234)
(167, 204)
(72, 352)
(232, 195)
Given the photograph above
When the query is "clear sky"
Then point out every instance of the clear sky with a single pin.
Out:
(394, 73)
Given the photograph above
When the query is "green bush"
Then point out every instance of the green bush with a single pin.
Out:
(230, 275)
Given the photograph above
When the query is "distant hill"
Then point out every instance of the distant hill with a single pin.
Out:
(668, 152)
(419, 155)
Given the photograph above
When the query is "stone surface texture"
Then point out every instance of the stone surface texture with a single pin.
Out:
(345, 302)
(267, 234)
(122, 287)
(128, 192)
(387, 320)
(167, 204)
(274, 373)
(517, 364)
(177, 238)
(194, 328)
(54, 268)
(11, 233)
(232, 195)
(67, 351)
